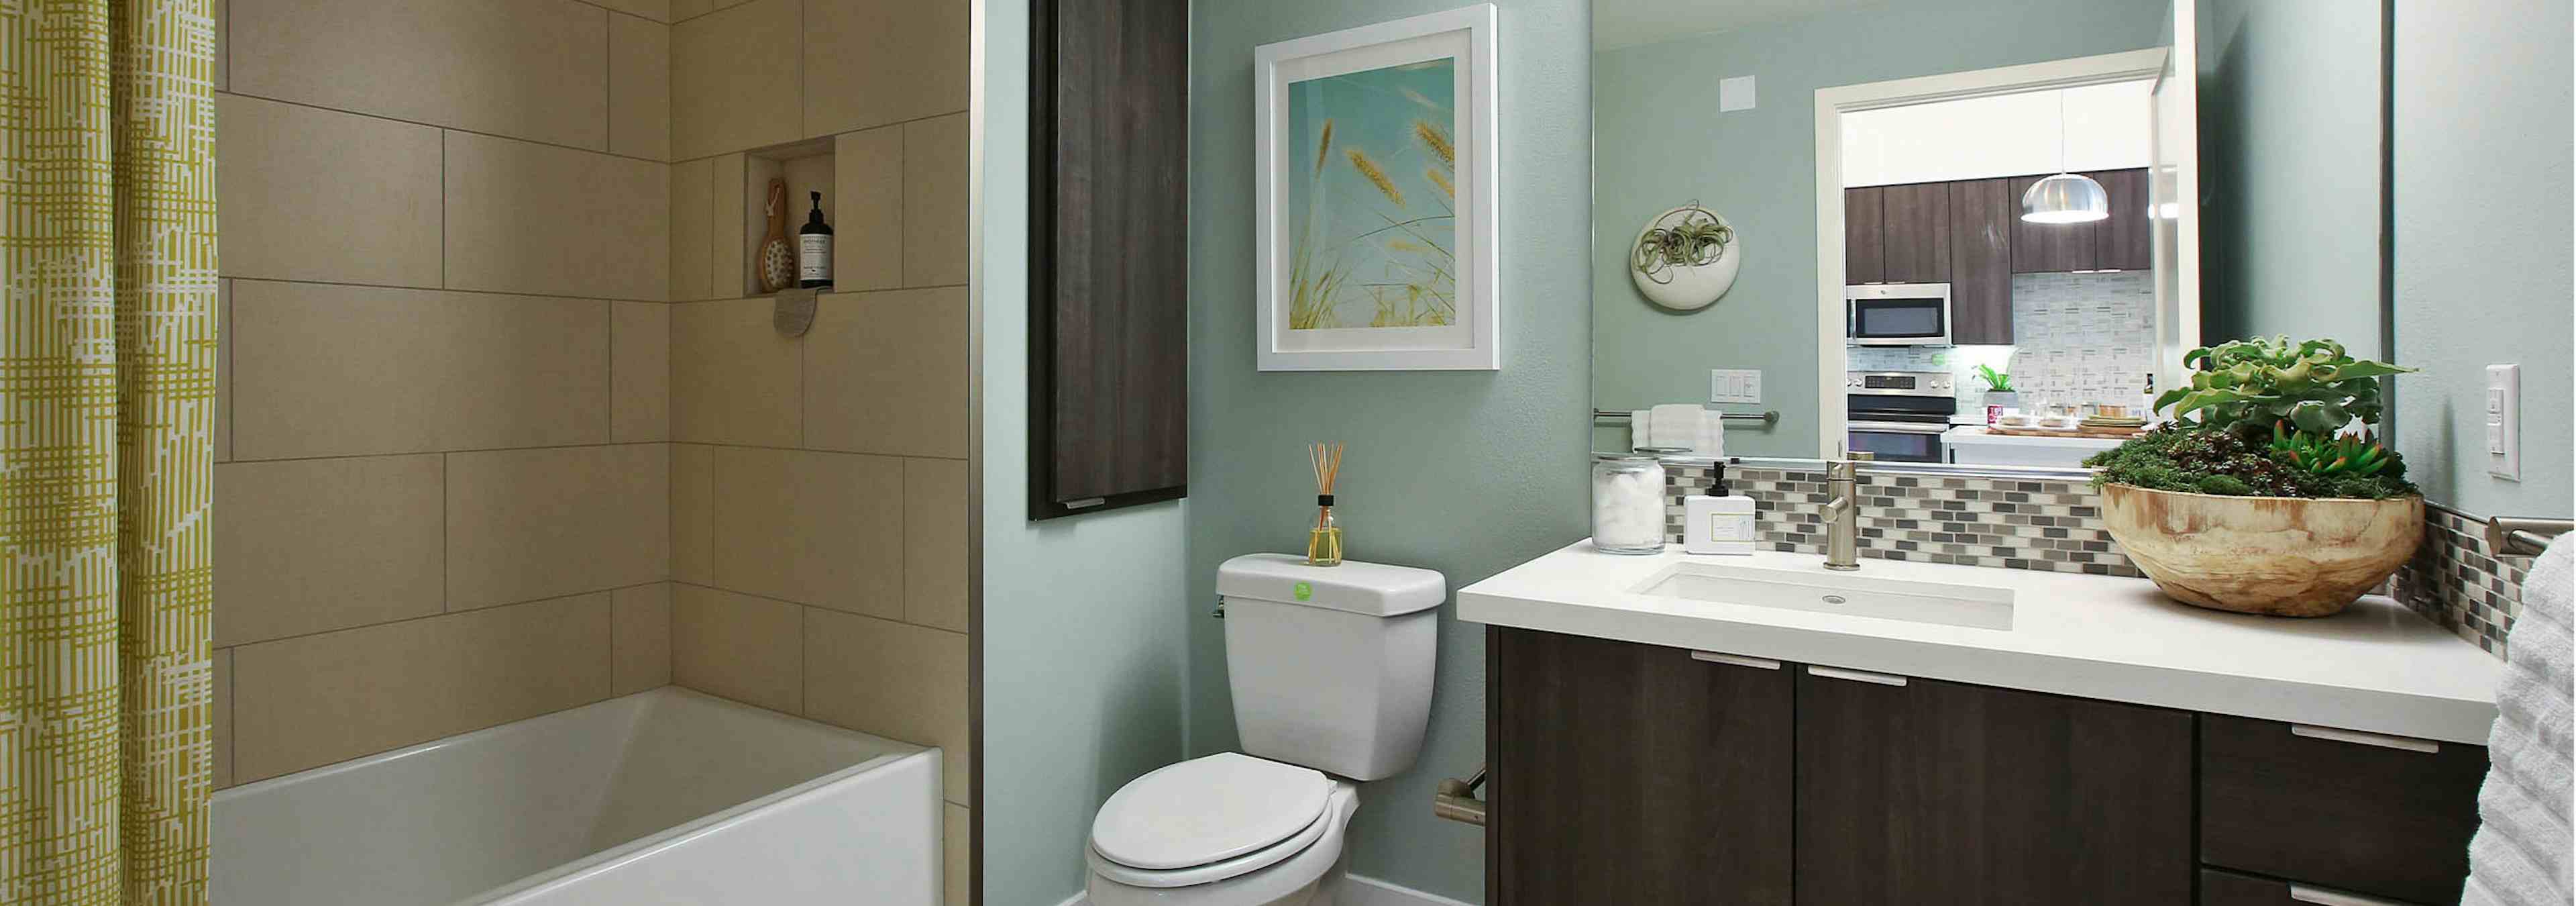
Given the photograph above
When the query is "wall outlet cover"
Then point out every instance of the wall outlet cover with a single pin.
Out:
(1735, 94)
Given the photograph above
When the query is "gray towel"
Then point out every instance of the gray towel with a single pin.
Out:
(2520, 855)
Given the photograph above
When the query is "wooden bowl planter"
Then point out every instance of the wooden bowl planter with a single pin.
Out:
(2282, 556)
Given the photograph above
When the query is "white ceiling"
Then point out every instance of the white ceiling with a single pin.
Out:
(1628, 23)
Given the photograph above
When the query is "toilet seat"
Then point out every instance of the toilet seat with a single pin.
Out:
(1205, 812)
(1214, 871)
(1296, 864)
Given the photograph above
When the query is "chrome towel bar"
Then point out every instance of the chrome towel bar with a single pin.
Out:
(2523, 536)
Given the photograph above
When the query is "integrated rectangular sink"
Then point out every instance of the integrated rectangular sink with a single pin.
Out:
(1939, 603)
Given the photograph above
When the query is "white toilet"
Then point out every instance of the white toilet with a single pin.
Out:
(1331, 674)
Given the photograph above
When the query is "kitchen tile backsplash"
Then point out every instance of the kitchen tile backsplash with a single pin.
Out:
(2077, 338)
(2453, 581)
(2047, 525)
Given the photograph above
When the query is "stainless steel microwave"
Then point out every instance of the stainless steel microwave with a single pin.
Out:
(1897, 314)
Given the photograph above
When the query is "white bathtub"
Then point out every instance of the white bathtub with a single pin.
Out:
(666, 796)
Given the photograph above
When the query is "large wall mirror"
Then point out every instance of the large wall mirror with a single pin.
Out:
(1872, 205)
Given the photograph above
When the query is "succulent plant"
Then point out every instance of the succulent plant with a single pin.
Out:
(2351, 453)
(2244, 386)
(1996, 381)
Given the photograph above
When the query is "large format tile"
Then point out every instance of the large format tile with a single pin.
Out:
(728, 246)
(316, 699)
(691, 9)
(934, 201)
(306, 194)
(656, 10)
(639, 87)
(867, 249)
(223, 426)
(530, 218)
(744, 648)
(692, 220)
(934, 543)
(891, 679)
(527, 524)
(734, 79)
(957, 853)
(733, 378)
(641, 630)
(873, 62)
(313, 545)
(886, 372)
(693, 517)
(639, 371)
(327, 370)
(815, 528)
(535, 69)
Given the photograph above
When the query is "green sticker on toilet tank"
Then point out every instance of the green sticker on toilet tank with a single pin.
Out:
(1304, 591)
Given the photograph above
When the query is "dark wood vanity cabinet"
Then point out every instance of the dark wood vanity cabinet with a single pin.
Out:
(1640, 774)
(1941, 792)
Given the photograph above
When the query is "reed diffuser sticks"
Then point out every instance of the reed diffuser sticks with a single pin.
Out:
(1324, 541)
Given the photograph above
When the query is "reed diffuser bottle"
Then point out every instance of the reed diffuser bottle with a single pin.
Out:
(1324, 541)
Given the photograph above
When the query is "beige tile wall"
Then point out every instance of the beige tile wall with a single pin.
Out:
(819, 484)
(445, 406)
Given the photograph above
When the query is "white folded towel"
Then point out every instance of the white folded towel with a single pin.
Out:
(2520, 854)
(1639, 435)
(1712, 434)
(1675, 425)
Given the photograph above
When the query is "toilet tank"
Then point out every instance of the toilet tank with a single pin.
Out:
(1331, 666)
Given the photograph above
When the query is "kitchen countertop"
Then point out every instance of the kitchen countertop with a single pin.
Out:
(1978, 434)
(2375, 667)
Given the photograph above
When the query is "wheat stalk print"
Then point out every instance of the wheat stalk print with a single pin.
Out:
(1378, 222)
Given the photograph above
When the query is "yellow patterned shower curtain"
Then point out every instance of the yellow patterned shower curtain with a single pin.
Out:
(107, 405)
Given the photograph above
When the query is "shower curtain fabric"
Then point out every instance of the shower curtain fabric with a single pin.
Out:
(107, 405)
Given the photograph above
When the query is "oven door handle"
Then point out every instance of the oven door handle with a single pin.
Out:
(1899, 427)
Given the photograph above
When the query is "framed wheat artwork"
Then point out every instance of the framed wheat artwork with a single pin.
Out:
(1375, 162)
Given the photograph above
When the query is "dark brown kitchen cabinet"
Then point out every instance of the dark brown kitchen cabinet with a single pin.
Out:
(1627, 773)
(2377, 815)
(2051, 247)
(1108, 255)
(1916, 222)
(1982, 212)
(1934, 792)
(2126, 238)
(1865, 235)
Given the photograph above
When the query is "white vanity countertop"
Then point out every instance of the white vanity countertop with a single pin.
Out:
(2376, 666)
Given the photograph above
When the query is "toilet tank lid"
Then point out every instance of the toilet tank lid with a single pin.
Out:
(1375, 589)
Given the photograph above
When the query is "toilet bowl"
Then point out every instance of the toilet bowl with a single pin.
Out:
(1225, 830)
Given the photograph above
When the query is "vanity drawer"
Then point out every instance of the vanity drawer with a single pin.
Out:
(2375, 815)
(2227, 888)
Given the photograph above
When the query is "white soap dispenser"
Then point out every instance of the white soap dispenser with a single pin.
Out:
(1718, 522)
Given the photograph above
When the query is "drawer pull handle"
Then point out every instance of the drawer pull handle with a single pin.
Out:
(1757, 663)
(2357, 737)
(1862, 676)
(2323, 897)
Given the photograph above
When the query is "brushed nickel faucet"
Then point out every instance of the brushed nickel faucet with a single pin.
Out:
(1842, 542)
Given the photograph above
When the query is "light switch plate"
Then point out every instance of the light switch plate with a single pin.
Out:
(1734, 94)
(2504, 421)
(1734, 385)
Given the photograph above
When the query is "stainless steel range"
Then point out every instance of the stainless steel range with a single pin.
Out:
(1899, 415)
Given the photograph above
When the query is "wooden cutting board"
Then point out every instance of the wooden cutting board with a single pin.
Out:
(2112, 433)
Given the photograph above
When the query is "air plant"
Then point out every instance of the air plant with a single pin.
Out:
(1697, 240)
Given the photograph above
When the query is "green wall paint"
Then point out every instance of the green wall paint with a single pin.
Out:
(2483, 200)
(1664, 143)
(1083, 653)
(2289, 128)
(1467, 473)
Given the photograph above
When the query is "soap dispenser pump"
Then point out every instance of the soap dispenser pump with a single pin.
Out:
(1718, 522)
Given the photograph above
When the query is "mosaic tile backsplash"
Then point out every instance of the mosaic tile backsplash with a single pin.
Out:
(2454, 582)
(2077, 338)
(2056, 525)
(2052, 525)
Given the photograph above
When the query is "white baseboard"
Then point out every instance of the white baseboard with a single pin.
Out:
(1360, 891)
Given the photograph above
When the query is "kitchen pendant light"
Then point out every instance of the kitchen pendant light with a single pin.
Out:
(2065, 197)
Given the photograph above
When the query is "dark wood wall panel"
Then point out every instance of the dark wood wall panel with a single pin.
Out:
(1108, 266)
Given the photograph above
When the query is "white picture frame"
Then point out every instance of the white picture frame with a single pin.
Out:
(1392, 299)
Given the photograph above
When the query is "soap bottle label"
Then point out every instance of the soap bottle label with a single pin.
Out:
(1730, 526)
(814, 257)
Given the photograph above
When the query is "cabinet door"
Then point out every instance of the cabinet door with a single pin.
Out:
(1917, 219)
(2381, 815)
(1865, 235)
(1933, 792)
(1627, 773)
(2125, 238)
(2227, 888)
(1982, 212)
(2052, 247)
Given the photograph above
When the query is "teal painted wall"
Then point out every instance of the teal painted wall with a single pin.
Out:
(1083, 650)
(1664, 143)
(2289, 129)
(1464, 472)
